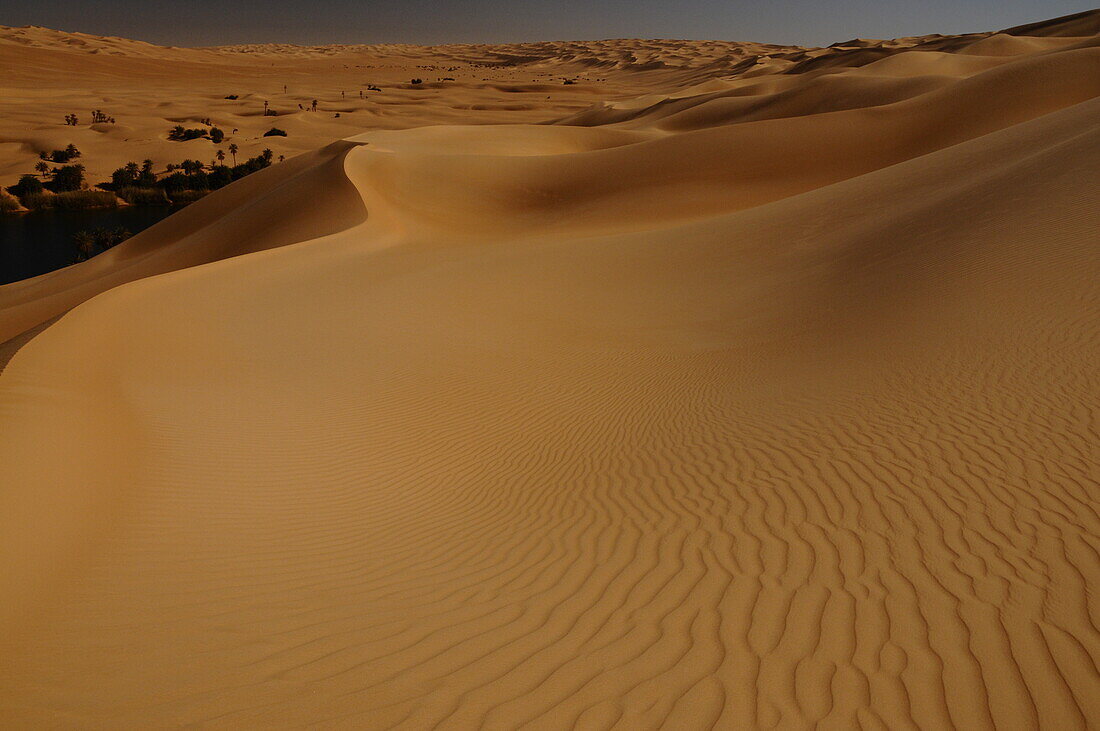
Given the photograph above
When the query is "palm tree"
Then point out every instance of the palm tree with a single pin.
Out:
(221, 156)
(85, 242)
(131, 169)
(42, 168)
(233, 151)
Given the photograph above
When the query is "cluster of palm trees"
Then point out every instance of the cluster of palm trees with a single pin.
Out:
(88, 241)
(98, 117)
(60, 156)
(194, 166)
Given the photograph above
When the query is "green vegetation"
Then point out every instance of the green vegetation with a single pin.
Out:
(135, 184)
(131, 176)
(65, 191)
(275, 132)
(185, 182)
(59, 156)
(143, 196)
(66, 178)
(188, 196)
(71, 200)
(179, 133)
(95, 241)
(27, 185)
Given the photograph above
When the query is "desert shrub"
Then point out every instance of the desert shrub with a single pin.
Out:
(231, 96)
(216, 135)
(8, 203)
(275, 132)
(143, 196)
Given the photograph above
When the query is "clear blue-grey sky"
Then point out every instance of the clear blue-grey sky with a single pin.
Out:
(806, 22)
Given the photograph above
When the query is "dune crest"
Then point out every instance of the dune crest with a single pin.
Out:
(758, 393)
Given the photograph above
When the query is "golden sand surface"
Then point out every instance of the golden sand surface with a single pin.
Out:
(731, 386)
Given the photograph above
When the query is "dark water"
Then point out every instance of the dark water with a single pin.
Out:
(39, 242)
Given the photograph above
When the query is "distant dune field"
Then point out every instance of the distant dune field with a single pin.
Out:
(730, 386)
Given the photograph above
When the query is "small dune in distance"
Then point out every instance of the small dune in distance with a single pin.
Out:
(607, 384)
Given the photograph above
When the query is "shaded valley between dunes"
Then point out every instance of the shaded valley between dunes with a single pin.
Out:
(761, 392)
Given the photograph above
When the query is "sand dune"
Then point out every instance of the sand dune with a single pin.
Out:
(728, 399)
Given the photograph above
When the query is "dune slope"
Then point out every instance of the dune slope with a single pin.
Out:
(711, 419)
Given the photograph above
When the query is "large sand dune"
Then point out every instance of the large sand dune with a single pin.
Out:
(758, 392)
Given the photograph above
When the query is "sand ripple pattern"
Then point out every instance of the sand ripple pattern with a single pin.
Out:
(830, 461)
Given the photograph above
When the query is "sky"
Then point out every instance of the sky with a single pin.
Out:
(801, 22)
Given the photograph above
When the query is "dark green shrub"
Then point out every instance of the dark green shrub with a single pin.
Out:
(75, 200)
(66, 178)
(143, 196)
(180, 134)
(188, 196)
(41, 201)
(27, 185)
(275, 132)
(61, 156)
(124, 176)
(97, 240)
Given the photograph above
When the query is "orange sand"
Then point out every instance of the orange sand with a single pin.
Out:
(758, 390)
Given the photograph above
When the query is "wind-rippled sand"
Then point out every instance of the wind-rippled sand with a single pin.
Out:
(766, 398)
